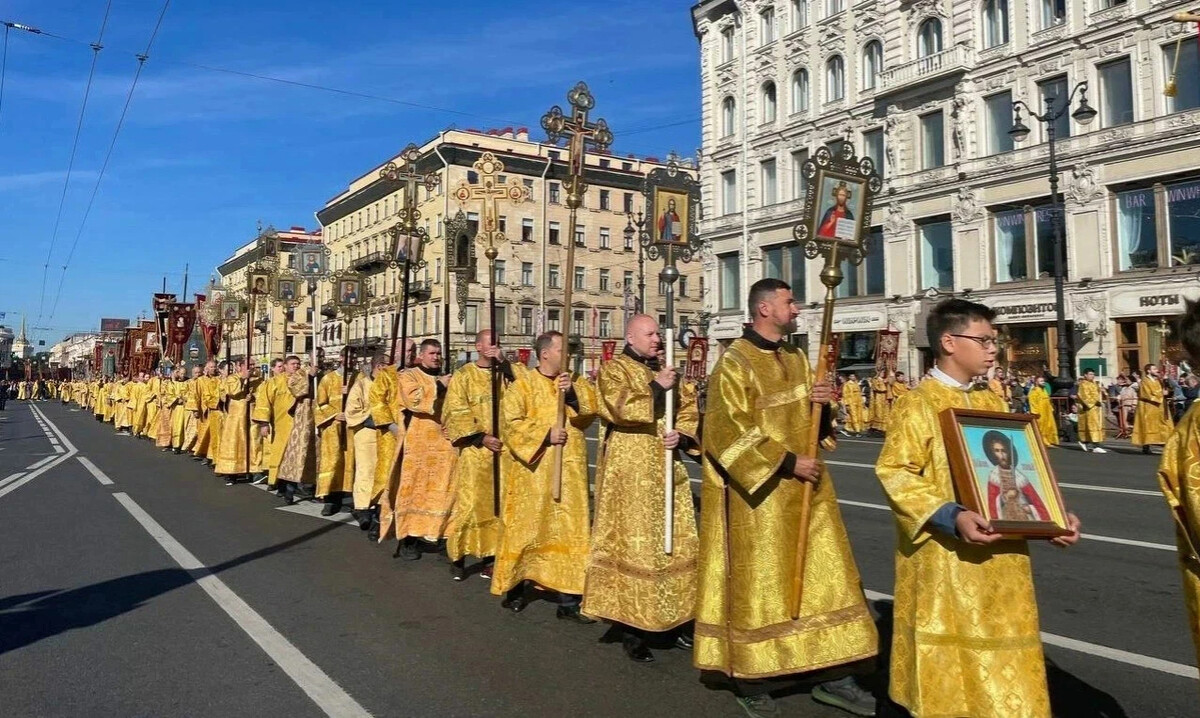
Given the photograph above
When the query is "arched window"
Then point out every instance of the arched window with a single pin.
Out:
(835, 79)
(728, 117)
(800, 91)
(929, 37)
(769, 102)
(872, 64)
(995, 22)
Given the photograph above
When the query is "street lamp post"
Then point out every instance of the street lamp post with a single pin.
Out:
(1084, 114)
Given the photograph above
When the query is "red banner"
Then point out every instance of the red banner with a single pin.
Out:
(696, 367)
(97, 358)
(180, 323)
(162, 309)
(887, 348)
(608, 348)
(523, 355)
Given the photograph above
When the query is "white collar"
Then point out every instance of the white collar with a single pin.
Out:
(937, 373)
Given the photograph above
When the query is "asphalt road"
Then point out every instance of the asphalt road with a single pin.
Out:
(166, 593)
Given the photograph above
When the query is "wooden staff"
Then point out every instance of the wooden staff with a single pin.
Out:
(249, 397)
(831, 277)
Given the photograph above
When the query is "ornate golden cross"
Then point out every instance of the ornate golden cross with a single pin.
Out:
(490, 191)
(407, 173)
(580, 134)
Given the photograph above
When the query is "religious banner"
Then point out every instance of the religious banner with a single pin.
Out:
(523, 355)
(887, 348)
(833, 351)
(181, 321)
(208, 315)
(608, 348)
(150, 332)
(162, 309)
(696, 368)
(97, 357)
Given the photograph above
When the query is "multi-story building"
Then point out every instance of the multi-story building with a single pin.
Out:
(277, 330)
(926, 89)
(75, 353)
(531, 268)
(6, 342)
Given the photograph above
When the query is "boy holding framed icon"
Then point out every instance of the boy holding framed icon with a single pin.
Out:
(966, 638)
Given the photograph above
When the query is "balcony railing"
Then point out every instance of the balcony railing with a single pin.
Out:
(954, 59)
(368, 263)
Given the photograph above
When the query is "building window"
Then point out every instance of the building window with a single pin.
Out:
(628, 243)
(604, 238)
(1053, 12)
(526, 321)
(604, 197)
(579, 278)
(1116, 93)
(628, 202)
(527, 230)
(683, 285)
(553, 278)
(800, 91)
(1187, 76)
(579, 240)
(554, 233)
(799, 14)
(527, 274)
(872, 64)
(995, 23)
(731, 291)
(1183, 223)
(552, 320)
(728, 117)
(866, 278)
(933, 141)
(554, 195)
(627, 280)
(799, 157)
(1008, 229)
(471, 322)
(768, 102)
(835, 79)
(577, 323)
(929, 37)
(770, 192)
(937, 256)
(873, 147)
(1137, 232)
(786, 262)
(766, 26)
(502, 225)
(999, 113)
(1057, 88)
(605, 324)
(604, 280)
(729, 199)
(833, 7)
(727, 46)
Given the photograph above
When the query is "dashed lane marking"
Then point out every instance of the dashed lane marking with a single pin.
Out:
(95, 471)
(54, 460)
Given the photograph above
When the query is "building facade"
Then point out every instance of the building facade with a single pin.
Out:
(275, 330)
(926, 89)
(75, 352)
(531, 268)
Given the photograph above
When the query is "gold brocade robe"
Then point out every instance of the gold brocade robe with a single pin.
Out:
(898, 389)
(542, 540)
(335, 455)
(233, 447)
(272, 407)
(363, 440)
(1179, 478)
(204, 399)
(879, 407)
(422, 496)
(629, 578)
(758, 412)
(1091, 412)
(1040, 404)
(1152, 422)
(137, 406)
(150, 399)
(966, 639)
(168, 400)
(474, 528)
(216, 419)
(120, 405)
(856, 413)
(298, 455)
(387, 414)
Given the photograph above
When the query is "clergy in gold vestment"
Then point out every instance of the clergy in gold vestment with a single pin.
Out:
(852, 402)
(1091, 412)
(387, 414)
(1179, 478)
(362, 436)
(216, 414)
(123, 414)
(1040, 404)
(423, 491)
(474, 528)
(137, 404)
(631, 580)
(898, 387)
(168, 399)
(544, 541)
(150, 399)
(232, 450)
(204, 399)
(966, 640)
(335, 455)
(273, 421)
(1152, 423)
(879, 401)
(756, 430)
(292, 398)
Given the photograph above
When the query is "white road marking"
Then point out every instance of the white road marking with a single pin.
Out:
(11, 478)
(313, 509)
(95, 471)
(1064, 485)
(328, 695)
(1094, 649)
(54, 461)
(43, 462)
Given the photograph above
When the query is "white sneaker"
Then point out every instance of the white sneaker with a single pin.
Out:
(1099, 450)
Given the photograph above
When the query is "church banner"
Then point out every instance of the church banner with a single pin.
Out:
(697, 359)
(608, 348)
(887, 348)
(181, 322)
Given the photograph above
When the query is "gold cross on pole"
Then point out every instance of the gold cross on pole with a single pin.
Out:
(490, 191)
(580, 134)
(406, 172)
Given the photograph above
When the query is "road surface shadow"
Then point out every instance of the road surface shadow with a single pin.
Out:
(28, 618)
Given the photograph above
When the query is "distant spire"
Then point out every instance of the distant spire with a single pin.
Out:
(22, 337)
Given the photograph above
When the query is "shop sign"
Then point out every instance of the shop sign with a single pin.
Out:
(858, 322)
(1024, 312)
(1151, 301)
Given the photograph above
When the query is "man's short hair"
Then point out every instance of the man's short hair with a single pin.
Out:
(276, 362)
(951, 317)
(291, 357)
(762, 290)
(430, 343)
(543, 342)
(1147, 367)
(1189, 330)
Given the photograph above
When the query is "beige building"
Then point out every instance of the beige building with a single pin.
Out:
(277, 330)
(530, 270)
(925, 88)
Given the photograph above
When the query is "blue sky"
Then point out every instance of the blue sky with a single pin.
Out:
(204, 155)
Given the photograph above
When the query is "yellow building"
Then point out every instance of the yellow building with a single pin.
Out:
(530, 270)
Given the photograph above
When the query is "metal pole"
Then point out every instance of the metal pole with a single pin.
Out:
(1066, 373)
(249, 335)
(668, 275)
(495, 377)
(403, 317)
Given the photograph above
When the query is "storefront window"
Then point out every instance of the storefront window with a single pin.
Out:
(937, 256)
(730, 281)
(1183, 222)
(786, 262)
(1028, 349)
(1136, 230)
(867, 277)
(856, 352)
(1009, 228)
(1044, 219)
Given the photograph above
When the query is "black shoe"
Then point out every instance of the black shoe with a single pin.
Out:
(407, 549)
(229, 481)
(572, 613)
(1146, 449)
(636, 650)
(363, 517)
(684, 641)
(516, 600)
(330, 509)
(759, 706)
(845, 693)
(176, 451)
(289, 493)
(458, 571)
(485, 571)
